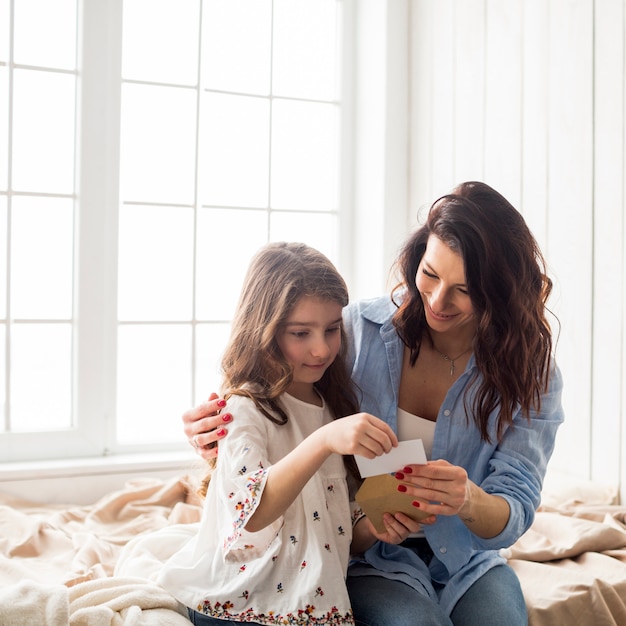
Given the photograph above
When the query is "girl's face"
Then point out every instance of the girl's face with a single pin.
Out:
(441, 282)
(310, 339)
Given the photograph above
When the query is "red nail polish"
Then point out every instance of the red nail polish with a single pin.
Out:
(221, 403)
(416, 504)
(408, 470)
(227, 417)
(402, 488)
(220, 432)
(399, 475)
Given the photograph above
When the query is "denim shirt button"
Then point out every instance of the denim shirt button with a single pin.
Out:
(446, 412)
(443, 550)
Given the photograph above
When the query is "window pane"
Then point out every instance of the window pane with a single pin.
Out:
(158, 144)
(3, 397)
(154, 374)
(4, 128)
(43, 132)
(41, 365)
(150, 23)
(210, 343)
(304, 156)
(318, 231)
(5, 24)
(4, 250)
(226, 241)
(41, 258)
(155, 263)
(305, 48)
(235, 151)
(45, 33)
(236, 48)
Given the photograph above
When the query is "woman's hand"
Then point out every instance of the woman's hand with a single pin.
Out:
(204, 426)
(445, 489)
(438, 485)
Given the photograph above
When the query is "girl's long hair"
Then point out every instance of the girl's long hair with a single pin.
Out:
(253, 365)
(279, 275)
(508, 285)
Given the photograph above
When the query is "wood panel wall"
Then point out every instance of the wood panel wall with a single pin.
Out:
(528, 95)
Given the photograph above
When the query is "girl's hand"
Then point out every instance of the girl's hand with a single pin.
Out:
(204, 426)
(361, 434)
(397, 528)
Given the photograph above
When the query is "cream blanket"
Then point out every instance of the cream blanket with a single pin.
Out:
(95, 565)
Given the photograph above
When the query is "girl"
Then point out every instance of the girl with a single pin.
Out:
(274, 541)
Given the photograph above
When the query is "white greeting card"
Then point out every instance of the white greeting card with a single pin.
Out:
(407, 453)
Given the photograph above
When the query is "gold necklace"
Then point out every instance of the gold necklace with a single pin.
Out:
(450, 359)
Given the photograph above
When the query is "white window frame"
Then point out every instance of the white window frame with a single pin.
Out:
(374, 188)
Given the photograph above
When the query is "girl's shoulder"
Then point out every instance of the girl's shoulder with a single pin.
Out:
(241, 403)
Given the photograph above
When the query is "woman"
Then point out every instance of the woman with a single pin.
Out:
(459, 356)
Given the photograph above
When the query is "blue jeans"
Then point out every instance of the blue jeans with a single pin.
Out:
(493, 600)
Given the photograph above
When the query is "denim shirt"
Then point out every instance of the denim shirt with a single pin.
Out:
(513, 467)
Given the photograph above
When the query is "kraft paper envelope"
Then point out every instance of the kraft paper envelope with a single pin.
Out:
(379, 492)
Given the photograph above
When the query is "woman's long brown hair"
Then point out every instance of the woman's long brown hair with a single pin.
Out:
(279, 275)
(508, 285)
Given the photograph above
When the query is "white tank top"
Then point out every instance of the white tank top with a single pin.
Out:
(414, 427)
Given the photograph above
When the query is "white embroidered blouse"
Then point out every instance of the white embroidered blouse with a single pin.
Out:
(291, 572)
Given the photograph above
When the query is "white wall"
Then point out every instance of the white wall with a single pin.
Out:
(528, 95)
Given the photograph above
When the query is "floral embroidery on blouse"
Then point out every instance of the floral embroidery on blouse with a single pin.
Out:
(248, 506)
(222, 610)
(356, 515)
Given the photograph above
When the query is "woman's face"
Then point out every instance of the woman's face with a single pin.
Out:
(441, 282)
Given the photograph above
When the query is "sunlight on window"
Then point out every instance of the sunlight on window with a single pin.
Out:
(150, 23)
(226, 240)
(42, 257)
(4, 128)
(3, 397)
(156, 255)
(239, 35)
(319, 231)
(234, 165)
(304, 156)
(306, 49)
(3, 260)
(147, 150)
(45, 33)
(41, 367)
(210, 342)
(43, 131)
(154, 369)
(158, 144)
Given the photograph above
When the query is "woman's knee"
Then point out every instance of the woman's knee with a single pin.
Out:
(496, 598)
(378, 601)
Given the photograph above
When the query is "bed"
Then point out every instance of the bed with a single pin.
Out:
(94, 565)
